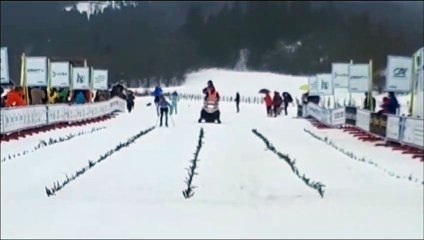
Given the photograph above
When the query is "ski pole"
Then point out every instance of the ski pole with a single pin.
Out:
(172, 120)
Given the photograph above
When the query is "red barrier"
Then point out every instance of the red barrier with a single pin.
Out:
(48, 128)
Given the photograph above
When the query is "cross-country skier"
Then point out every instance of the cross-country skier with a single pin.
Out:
(174, 99)
(157, 93)
(163, 107)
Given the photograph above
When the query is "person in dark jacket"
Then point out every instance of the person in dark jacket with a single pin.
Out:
(130, 101)
(287, 98)
(277, 101)
(366, 104)
(237, 100)
(393, 104)
(163, 106)
(310, 99)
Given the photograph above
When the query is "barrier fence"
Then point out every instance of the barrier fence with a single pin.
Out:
(407, 131)
(23, 118)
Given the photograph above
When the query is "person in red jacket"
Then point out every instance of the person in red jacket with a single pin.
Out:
(268, 104)
(15, 98)
(384, 106)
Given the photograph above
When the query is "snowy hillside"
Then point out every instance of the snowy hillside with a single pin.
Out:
(243, 190)
(248, 84)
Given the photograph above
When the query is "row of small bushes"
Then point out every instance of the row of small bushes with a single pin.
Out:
(189, 192)
(315, 185)
(353, 156)
(49, 142)
(58, 186)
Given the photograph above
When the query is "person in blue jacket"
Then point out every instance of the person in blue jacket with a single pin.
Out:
(174, 99)
(157, 93)
(80, 98)
(163, 107)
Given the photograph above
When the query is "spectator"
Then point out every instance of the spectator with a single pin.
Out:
(37, 96)
(277, 101)
(287, 99)
(384, 106)
(15, 98)
(130, 101)
(1, 97)
(88, 95)
(63, 95)
(80, 98)
(392, 104)
(53, 97)
(268, 104)
(366, 103)
(237, 100)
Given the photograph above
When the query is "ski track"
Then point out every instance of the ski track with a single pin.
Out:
(243, 191)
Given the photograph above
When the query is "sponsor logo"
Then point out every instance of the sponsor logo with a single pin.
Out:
(54, 74)
(80, 78)
(335, 75)
(35, 70)
(400, 72)
(358, 77)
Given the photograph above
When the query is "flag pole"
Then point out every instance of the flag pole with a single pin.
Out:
(350, 94)
(412, 84)
(370, 86)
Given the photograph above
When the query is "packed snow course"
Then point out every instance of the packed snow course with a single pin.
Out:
(250, 177)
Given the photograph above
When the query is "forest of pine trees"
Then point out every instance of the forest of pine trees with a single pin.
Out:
(133, 48)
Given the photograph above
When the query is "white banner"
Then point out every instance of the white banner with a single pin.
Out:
(420, 68)
(363, 119)
(100, 79)
(313, 86)
(4, 66)
(340, 74)
(393, 127)
(359, 78)
(320, 114)
(21, 118)
(60, 76)
(36, 71)
(398, 74)
(413, 132)
(81, 78)
(338, 116)
(325, 84)
(58, 113)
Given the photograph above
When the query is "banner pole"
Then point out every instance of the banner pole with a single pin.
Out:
(350, 94)
(370, 86)
(23, 78)
(48, 79)
(414, 78)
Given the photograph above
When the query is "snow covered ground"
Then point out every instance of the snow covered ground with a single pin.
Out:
(243, 191)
